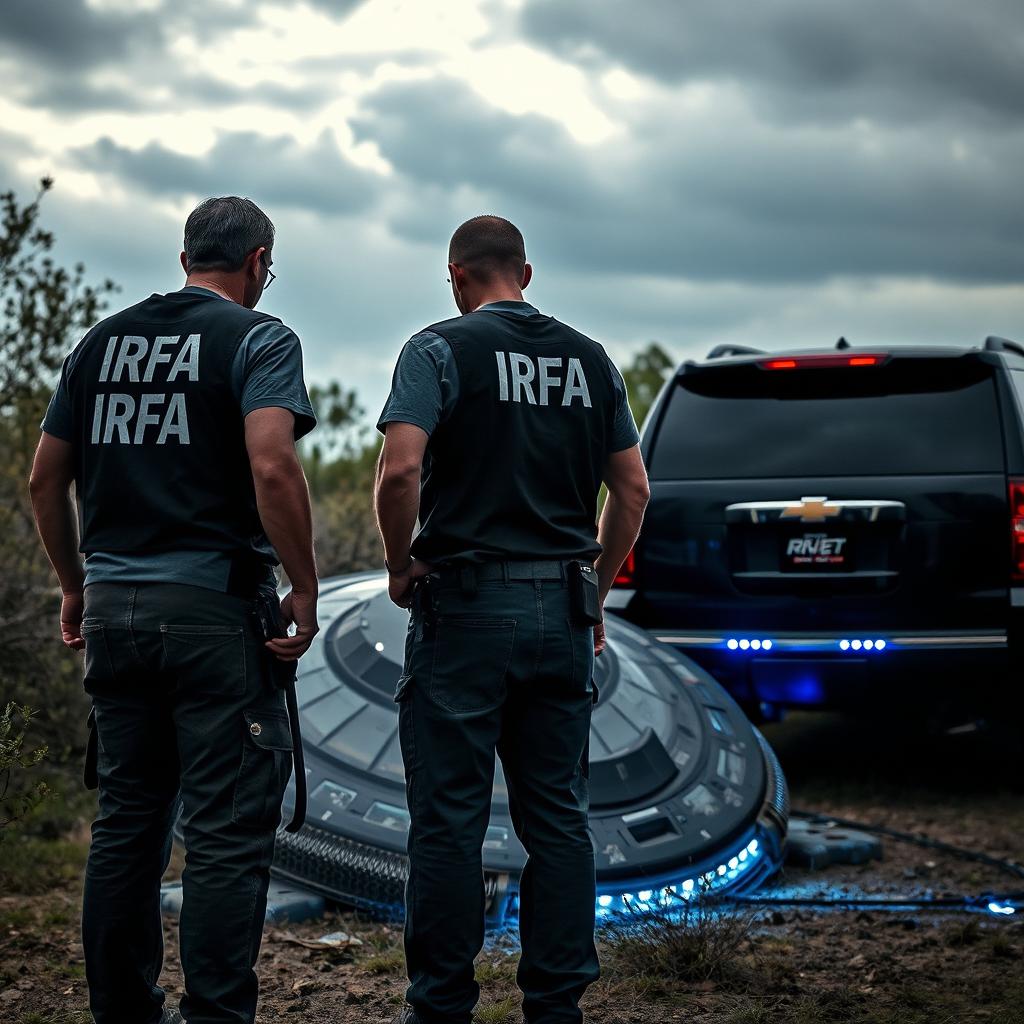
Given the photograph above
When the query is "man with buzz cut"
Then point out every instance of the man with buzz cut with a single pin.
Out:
(176, 421)
(500, 428)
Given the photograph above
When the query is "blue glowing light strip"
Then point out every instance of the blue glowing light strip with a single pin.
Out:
(725, 875)
(860, 643)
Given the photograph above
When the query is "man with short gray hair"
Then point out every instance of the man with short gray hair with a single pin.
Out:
(176, 421)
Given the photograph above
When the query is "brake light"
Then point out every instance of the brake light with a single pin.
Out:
(626, 576)
(822, 362)
(1017, 528)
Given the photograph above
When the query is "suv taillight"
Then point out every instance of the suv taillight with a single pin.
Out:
(626, 576)
(1017, 528)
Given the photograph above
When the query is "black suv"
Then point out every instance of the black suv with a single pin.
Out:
(839, 528)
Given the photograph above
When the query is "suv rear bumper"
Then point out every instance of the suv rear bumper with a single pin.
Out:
(819, 670)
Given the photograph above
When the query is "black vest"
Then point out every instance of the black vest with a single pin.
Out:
(160, 457)
(515, 470)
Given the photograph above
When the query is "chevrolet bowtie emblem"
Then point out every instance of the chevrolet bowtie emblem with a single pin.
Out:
(810, 510)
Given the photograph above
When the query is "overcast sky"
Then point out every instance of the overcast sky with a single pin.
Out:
(771, 174)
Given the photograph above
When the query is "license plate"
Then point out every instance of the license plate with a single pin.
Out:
(817, 552)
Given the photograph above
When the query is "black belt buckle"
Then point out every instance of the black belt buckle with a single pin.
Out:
(584, 594)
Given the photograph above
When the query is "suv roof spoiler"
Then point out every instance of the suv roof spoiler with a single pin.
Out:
(734, 350)
(996, 344)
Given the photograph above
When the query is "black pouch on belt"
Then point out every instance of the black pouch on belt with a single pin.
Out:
(584, 594)
(270, 625)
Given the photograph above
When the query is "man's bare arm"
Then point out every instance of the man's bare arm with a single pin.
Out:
(621, 519)
(50, 490)
(396, 501)
(282, 498)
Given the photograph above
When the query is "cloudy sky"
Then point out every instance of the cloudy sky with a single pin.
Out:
(772, 174)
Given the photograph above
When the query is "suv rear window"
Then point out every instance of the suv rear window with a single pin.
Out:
(910, 417)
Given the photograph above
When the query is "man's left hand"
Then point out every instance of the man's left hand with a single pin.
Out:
(71, 620)
(599, 641)
(400, 584)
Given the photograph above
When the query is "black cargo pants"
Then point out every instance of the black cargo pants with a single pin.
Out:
(183, 701)
(502, 669)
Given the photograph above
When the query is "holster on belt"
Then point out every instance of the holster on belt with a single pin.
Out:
(271, 625)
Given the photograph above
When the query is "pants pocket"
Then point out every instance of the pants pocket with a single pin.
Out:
(98, 664)
(471, 659)
(206, 659)
(264, 769)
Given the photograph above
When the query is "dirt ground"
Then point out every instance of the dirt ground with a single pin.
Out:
(790, 965)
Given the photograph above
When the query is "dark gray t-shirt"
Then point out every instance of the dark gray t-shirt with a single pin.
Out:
(266, 373)
(425, 385)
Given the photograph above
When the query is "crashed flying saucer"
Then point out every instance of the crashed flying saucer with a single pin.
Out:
(685, 794)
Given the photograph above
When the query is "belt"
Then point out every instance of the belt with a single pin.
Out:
(510, 570)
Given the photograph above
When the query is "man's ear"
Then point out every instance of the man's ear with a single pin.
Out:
(184, 262)
(254, 262)
(527, 276)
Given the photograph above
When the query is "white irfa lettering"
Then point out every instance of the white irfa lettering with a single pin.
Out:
(523, 372)
(517, 377)
(188, 360)
(132, 351)
(176, 421)
(158, 355)
(545, 380)
(576, 384)
(120, 410)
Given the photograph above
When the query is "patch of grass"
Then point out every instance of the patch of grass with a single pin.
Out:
(757, 1013)
(31, 866)
(1002, 946)
(384, 963)
(496, 971)
(687, 940)
(966, 934)
(498, 1013)
(16, 918)
(841, 1006)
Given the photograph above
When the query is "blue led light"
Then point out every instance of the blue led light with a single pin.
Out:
(1001, 908)
(755, 644)
(669, 895)
(844, 645)
(766, 645)
(869, 644)
(879, 645)
(744, 644)
(732, 644)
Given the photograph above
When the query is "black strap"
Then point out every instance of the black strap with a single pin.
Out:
(90, 775)
(298, 760)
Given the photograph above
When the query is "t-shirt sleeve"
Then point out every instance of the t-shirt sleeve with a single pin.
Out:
(58, 419)
(268, 374)
(424, 385)
(624, 432)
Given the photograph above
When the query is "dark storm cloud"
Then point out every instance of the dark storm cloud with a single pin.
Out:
(272, 170)
(69, 33)
(873, 58)
(706, 200)
(65, 41)
(74, 96)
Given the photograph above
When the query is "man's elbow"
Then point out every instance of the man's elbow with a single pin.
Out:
(275, 472)
(44, 486)
(399, 476)
(632, 494)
